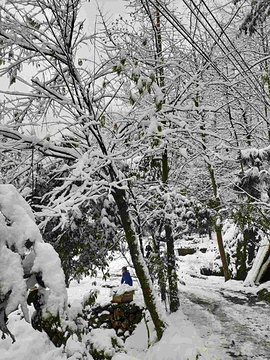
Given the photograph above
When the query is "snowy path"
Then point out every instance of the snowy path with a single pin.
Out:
(216, 321)
(228, 320)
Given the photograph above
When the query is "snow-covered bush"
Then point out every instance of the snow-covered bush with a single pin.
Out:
(104, 343)
(26, 261)
(250, 217)
(83, 235)
(252, 187)
(85, 342)
(99, 344)
(74, 348)
(187, 215)
(84, 240)
(90, 297)
(241, 247)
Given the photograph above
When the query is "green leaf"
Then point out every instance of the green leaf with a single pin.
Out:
(102, 120)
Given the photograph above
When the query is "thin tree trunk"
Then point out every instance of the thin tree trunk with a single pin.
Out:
(222, 253)
(218, 227)
(160, 271)
(138, 262)
(171, 266)
(141, 244)
(244, 116)
(171, 263)
(172, 276)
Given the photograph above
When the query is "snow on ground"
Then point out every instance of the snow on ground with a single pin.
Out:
(29, 345)
(216, 320)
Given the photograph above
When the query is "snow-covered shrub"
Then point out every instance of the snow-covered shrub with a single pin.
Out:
(26, 261)
(83, 341)
(90, 297)
(251, 215)
(264, 294)
(252, 187)
(82, 234)
(83, 243)
(76, 350)
(241, 246)
(104, 343)
(186, 215)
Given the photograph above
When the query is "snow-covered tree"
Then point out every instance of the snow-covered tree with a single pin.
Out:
(171, 98)
(74, 93)
(26, 261)
(257, 13)
(252, 213)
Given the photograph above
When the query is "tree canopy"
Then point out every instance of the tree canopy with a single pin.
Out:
(136, 128)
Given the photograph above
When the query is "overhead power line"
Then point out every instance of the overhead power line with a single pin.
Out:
(182, 30)
(174, 21)
(246, 69)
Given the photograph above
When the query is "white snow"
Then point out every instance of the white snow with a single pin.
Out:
(74, 347)
(30, 344)
(101, 339)
(19, 213)
(17, 227)
(11, 278)
(48, 262)
(253, 275)
(195, 331)
(124, 288)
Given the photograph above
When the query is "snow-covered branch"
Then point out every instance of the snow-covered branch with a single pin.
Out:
(44, 146)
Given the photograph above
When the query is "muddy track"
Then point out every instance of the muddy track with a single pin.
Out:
(236, 321)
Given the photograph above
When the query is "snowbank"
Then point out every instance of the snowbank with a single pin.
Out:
(30, 344)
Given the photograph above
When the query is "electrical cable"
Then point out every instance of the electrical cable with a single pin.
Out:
(181, 29)
(248, 69)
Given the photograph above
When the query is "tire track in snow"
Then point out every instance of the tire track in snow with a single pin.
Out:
(230, 321)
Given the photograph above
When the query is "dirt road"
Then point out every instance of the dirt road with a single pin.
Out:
(235, 322)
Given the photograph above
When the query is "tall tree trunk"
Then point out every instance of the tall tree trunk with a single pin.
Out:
(171, 266)
(218, 225)
(222, 252)
(172, 276)
(160, 270)
(138, 262)
(171, 263)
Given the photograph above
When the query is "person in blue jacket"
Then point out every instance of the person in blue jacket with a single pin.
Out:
(126, 278)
